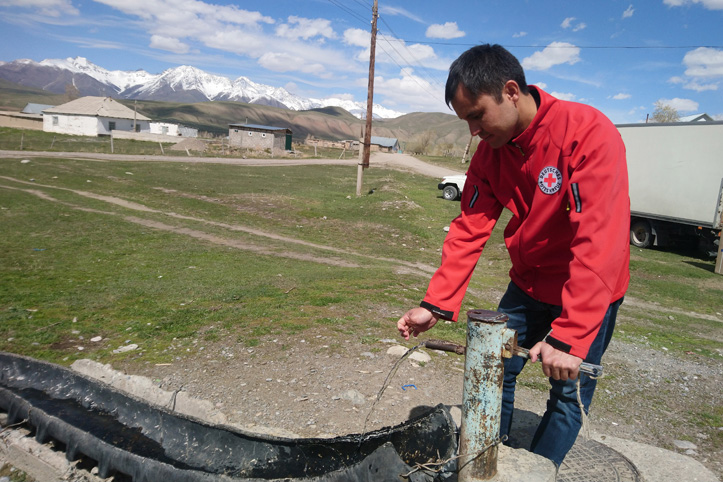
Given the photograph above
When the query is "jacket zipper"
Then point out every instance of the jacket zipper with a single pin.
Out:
(519, 148)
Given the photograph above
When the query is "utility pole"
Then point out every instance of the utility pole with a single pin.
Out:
(366, 145)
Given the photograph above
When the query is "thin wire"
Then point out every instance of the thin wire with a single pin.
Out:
(647, 47)
(349, 11)
(418, 63)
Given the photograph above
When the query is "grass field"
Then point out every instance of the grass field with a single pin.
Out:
(156, 254)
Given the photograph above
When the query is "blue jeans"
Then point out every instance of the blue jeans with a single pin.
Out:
(562, 420)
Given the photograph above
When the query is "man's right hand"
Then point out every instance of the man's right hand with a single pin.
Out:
(416, 321)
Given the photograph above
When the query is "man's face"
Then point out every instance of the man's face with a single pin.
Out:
(494, 122)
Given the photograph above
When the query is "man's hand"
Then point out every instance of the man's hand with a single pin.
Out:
(555, 363)
(416, 321)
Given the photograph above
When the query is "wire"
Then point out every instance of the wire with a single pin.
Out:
(648, 47)
(350, 11)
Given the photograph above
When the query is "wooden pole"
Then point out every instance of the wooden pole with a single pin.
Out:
(370, 89)
(466, 150)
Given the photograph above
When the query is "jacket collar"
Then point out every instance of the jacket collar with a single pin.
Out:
(547, 102)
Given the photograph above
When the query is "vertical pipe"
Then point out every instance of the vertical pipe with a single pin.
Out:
(487, 334)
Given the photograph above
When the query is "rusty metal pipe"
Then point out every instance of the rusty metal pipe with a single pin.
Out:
(487, 334)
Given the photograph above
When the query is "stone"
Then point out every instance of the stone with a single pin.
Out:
(354, 396)
(685, 445)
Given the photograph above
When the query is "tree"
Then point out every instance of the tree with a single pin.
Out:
(665, 113)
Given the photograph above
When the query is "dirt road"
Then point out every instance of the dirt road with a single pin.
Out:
(401, 162)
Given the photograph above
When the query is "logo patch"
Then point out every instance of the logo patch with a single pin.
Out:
(550, 180)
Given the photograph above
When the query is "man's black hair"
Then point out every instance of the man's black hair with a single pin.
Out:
(484, 69)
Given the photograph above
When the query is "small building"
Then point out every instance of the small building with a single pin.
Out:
(38, 109)
(258, 137)
(696, 118)
(93, 116)
(168, 129)
(384, 144)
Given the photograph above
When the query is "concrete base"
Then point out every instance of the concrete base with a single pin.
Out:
(519, 465)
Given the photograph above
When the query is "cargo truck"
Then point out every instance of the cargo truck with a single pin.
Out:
(676, 183)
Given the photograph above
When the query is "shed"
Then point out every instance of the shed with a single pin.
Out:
(93, 116)
(253, 136)
(696, 118)
(38, 109)
(384, 144)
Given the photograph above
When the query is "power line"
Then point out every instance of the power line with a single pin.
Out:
(350, 11)
(647, 47)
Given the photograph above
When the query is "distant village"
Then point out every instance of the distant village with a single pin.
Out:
(104, 116)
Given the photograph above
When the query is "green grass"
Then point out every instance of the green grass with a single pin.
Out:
(76, 267)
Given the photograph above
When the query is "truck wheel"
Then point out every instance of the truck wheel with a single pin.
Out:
(450, 192)
(641, 234)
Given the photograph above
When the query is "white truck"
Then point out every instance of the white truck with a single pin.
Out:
(451, 186)
(676, 182)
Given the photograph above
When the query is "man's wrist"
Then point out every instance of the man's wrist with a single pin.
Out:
(437, 311)
(557, 344)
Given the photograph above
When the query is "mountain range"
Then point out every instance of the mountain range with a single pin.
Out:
(183, 84)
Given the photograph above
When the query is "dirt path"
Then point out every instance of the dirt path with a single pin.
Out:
(402, 162)
(343, 258)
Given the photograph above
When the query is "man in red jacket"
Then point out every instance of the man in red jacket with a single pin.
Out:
(560, 168)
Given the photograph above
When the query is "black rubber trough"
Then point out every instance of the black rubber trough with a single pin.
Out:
(148, 443)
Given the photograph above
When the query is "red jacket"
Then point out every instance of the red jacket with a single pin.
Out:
(565, 180)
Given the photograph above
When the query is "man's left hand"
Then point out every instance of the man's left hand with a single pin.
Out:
(555, 363)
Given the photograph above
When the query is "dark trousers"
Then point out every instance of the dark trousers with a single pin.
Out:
(562, 420)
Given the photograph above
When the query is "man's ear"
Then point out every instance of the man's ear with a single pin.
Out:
(511, 90)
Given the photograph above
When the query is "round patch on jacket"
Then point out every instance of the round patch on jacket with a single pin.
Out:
(550, 180)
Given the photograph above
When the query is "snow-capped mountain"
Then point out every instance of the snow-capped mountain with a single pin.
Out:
(179, 84)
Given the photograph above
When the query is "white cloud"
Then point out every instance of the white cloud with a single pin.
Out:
(305, 28)
(704, 62)
(284, 62)
(357, 37)
(554, 54)
(629, 11)
(709, 4)
(568, 23)
(563, 95)
(412, 90)
(48, 8)
(295, 45)
(167, 43)
(394, 11)
(621, 96)
(519, 35)
(681, 105)
(448, 30)
(393, 50)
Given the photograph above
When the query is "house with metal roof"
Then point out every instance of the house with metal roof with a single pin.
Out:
(93, 116)
(259, 137)
(696, 118)
(384, 144)
(31, 108)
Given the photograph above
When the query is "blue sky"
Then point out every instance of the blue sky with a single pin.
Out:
(619, 56)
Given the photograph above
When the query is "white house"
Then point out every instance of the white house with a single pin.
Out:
(168, 129)
(93, 116)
